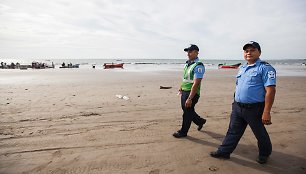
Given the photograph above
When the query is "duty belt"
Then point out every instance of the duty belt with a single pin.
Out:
(250, 105)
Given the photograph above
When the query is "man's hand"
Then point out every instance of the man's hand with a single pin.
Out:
(188, 103)
(180, 91)
(266, 118)
(193, 92)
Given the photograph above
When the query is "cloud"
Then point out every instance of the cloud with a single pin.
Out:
(150, 29)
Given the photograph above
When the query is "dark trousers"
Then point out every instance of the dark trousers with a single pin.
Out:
(189, 114)
(241, 117)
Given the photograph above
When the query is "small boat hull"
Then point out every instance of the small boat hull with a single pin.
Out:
(228, 67)
(235, 66)
(110, 66)
(72, 66)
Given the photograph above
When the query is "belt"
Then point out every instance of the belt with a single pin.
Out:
(250, 105)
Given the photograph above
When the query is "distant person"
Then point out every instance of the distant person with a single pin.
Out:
(254, 97)
(190, 91)
(63, 64)
(12, 65)
(53, 65)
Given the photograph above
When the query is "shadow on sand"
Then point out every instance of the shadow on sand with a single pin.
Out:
(279, 162)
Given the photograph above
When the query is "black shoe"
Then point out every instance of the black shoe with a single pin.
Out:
(178, 134)
(262, 159)
(201, 125)
(219, 155)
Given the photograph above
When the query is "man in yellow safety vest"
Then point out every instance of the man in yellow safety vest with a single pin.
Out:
(190, 91)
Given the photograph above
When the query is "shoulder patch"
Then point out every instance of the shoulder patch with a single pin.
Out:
(271, 75)
(200, 70)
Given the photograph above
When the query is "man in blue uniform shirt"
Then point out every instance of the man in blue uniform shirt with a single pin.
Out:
(190, 91)
(254, 97)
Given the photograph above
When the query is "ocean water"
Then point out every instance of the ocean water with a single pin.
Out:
(284, 67)
(147, 61)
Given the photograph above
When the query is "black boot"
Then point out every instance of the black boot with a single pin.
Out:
(200, 126)
(262, 159)
(219, 155)
(179, 134)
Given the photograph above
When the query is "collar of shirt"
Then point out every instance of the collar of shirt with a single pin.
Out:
(254, 64)
(245, 66)
(190, 62)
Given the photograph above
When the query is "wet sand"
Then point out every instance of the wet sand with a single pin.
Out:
(70, 121)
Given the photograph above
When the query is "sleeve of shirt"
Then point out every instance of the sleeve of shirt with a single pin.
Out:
(269, 76)
(199, 71)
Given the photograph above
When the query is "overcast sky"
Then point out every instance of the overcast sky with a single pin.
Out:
(150, 29)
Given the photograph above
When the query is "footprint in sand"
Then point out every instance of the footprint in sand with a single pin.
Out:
(57, 154)
(283, 145)
(156, 171)
(213, 168)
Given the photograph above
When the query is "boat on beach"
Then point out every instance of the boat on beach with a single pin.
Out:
(232, 66)
(113, 65)
(70, 65)
(40, 65)
(25, 67)
(34, 65)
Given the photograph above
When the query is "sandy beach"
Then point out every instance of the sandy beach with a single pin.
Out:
(70, 121)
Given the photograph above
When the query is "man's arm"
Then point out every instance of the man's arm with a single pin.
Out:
(194, 89)
(269, 99)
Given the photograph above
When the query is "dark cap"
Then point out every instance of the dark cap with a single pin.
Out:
(191, 48)
(252, 44)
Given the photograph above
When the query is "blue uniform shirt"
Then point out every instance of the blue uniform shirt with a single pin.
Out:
(252, 80)
(198, 71)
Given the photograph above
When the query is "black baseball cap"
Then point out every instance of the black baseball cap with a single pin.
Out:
(252, 44)
(191, 48)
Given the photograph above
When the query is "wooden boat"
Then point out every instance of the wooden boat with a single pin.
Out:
(113, 65)
(225, 66)
(25, 67)
(71, 66)
(41, 65)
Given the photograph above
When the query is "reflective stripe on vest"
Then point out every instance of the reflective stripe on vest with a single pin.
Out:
(188, 77)
(188, 72)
